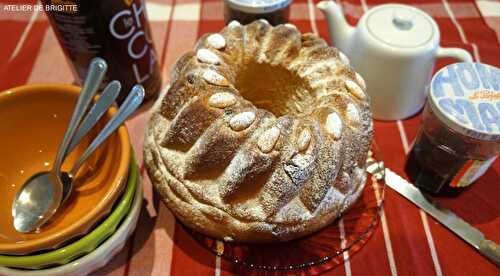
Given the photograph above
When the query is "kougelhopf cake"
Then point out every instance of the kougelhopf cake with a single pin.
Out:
(262, 136)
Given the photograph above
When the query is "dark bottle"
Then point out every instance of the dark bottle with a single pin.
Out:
(460, 135)
(115, 30)
(246, 11)
(432, 167)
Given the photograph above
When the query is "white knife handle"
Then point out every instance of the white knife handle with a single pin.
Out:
(490, 250)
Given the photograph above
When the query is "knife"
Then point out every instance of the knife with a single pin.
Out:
(461, 228)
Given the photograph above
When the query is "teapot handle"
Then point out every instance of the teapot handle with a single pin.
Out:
(456, 53)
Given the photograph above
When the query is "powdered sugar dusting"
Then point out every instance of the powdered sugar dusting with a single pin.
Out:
(299, 168)
(332, 198)
(268, 139)
(213, 77)
(221, 100)
(317, 67)
(242, 120)
(207, 56)
(294, 210)
(354, 89)
(333, 125)
(296, 154)
(216, 40)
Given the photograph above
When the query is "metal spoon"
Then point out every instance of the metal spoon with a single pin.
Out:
(102, 105)
(106, 99)
(133, 100)
(41, 195)
(131, 103)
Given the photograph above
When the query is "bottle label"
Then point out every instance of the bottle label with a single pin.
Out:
(115, 30)
(127, 25)
(470, 172)
(466, 96)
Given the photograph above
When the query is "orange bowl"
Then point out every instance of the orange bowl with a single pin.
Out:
(33, 121)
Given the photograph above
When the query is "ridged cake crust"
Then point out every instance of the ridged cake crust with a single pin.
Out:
(262, 136)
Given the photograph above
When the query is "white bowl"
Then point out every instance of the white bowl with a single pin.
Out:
(97, 258)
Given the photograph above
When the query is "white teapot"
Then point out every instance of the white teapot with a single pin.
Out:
(394, 48)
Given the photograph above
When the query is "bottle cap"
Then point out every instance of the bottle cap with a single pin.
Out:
(258, 6)
(466, 97)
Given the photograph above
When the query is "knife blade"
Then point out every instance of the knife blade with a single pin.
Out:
(461, 228)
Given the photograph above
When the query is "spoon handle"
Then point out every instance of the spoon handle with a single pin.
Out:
(106, 99)
(95, 74)
(131, 103)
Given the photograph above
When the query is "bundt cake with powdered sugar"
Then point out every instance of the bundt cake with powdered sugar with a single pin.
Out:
(262, 135)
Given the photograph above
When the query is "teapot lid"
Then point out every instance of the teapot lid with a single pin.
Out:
(401, 26)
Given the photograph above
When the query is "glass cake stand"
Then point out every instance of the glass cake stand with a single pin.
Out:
(320, 251)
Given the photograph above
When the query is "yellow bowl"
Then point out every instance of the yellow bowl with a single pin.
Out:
(34, 119)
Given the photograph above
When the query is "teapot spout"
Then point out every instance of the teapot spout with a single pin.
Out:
(339, 30)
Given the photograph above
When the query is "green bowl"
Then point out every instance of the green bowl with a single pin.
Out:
(87, 243)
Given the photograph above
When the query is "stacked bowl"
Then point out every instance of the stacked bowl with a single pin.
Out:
(102, 211)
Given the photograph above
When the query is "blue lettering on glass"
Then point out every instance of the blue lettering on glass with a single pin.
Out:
(467, 76)
(463, 80)
(456, 111)
(490, 76)
(440, 80)
(471, 112)
(490, 116)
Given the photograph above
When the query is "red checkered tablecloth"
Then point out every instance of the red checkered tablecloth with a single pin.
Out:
(406, 242)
